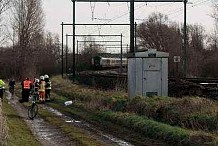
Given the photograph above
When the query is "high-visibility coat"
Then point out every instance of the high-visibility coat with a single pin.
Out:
(48, 84)
(2, 83)
(27, 84)
(42, 86)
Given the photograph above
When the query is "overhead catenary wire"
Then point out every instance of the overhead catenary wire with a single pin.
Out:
(182, 8)
(172, 12)
(124, 14)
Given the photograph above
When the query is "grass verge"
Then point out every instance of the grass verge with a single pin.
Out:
(163, 109)
(138, 124)
(3, 127)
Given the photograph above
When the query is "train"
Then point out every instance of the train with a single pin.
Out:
(108, 62)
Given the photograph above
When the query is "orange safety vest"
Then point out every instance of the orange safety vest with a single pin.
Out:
(26, 84)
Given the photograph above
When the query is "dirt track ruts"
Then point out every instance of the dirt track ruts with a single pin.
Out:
(48, 135)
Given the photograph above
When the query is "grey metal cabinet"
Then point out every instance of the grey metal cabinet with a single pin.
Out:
(148, 74)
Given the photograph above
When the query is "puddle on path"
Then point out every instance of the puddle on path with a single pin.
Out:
(89, 127)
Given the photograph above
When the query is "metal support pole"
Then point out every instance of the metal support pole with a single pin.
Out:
(62, 51)
(185, 41)
(74, 16)
(121, 53)
(77, 50)
(66, 54)
(132, 26)
(135, 37)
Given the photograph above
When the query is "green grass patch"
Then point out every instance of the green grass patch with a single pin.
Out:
(140, 124)
(18, 131)
(77, 111)
(188, 112)
(170, 134)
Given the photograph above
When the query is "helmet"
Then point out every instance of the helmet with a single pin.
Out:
(41, 77)
(46, 76)
(37, 80)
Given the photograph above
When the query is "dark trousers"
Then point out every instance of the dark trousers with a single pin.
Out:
(47, 93)
(1, 93)
(25, 95)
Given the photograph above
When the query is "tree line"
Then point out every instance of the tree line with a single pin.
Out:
(32, 50)
(158, 32)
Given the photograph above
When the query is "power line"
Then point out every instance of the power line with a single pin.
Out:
(189, 7)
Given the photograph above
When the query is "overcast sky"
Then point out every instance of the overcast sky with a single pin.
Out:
(57, 11)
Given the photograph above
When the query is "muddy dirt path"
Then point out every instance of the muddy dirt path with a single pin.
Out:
(110, 139)
(49, 135)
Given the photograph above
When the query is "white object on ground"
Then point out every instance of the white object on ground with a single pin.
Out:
(68, 103)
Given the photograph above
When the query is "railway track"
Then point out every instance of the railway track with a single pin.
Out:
(177, 87)
(116, 74)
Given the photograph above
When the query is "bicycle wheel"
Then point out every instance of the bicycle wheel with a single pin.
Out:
(32, 111)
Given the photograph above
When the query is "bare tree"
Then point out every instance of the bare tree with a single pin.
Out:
(161, 34)
(210, 59)
(28, 25)
(158, 33)
(4, 5)
(215, 15)
(196, 48)
(50, 54)
(34, 52)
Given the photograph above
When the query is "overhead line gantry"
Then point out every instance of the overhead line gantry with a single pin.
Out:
(132, 27)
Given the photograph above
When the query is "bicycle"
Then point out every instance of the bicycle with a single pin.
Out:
(33, 108)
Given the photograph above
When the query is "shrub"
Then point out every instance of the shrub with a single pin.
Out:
(116, 103)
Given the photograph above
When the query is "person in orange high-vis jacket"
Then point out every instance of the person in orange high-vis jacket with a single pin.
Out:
(26, 87)
(42, 89)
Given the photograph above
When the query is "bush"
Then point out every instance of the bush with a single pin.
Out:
(116, 103)
(153, 129)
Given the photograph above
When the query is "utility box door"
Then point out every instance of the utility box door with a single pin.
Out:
(152, 76)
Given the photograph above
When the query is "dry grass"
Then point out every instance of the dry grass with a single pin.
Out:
(3, 127)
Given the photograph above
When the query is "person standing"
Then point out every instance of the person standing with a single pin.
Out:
(47, 87)
(35, 89)
(36, 86)
(26, 87)
(2, 83)
(42, 89)
(11, 85)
